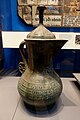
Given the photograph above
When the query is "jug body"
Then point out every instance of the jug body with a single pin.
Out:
(39, 85)
(39, 89)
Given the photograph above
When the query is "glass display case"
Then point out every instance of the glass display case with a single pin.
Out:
(66, 63)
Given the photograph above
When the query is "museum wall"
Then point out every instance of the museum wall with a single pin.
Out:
(66, 62)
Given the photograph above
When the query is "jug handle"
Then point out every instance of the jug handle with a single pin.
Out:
(22, 65)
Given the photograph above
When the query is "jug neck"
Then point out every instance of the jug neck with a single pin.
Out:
(38, 57)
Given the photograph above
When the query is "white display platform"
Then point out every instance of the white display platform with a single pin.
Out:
(12, 108)
(77, 77)
(12, 39)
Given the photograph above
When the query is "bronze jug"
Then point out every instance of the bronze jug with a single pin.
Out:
(39, 84)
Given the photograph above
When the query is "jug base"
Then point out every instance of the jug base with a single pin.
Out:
(36, 109)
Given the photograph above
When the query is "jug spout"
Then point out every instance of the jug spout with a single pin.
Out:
(57, 45)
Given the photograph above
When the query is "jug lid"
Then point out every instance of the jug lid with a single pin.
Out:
(41, 32)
